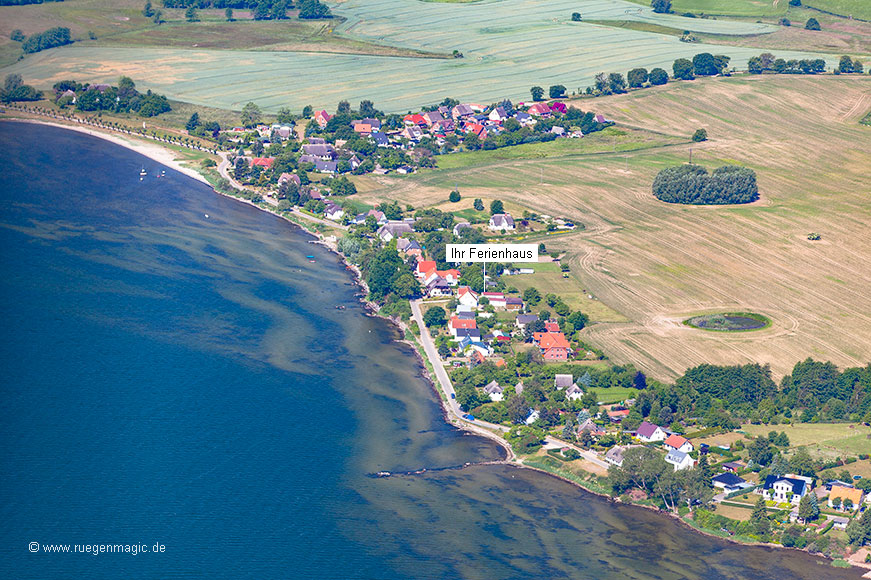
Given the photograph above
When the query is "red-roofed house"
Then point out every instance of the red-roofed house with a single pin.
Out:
(561, 107)
(619, 415)
(414, 120)
(322, 118)
(424, 267)
(497, 299)
(364, 129)
(452, 276)
(551, 326)
(263, 162)
(540, 110)
(553, 345)
(678, 443)
(467, 297)
(476, 128)
(461, 324)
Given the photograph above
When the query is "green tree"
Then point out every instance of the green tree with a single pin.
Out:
(808, 507)
(191, 14)
(531, 296)
(637, 77)
(496, 206)
(435, 316)
(616, 83)
(683, 69)
(658, 76)
(228, 14)
(148, 11)
(759, 518)
(251, 115)
(704, 64)
(454, 197)
(17, 35)
(537, 93)
(700, 135)
(557, 91)
(576, 16)
(760, 451)
(193, 123)
(859, 530)
(478, 205)
(812, 24)
(661, 6)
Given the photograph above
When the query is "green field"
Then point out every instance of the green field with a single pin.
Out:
(728, 7)
(548, 278)
(502, 58)
(855, 8)
(822, 438)
(610, 140)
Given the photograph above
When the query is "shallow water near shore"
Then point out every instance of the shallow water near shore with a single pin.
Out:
(187, 380)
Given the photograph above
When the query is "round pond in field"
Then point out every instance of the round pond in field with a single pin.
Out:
(729, 321)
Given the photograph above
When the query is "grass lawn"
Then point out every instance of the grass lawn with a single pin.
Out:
(730, 7)
(734, 512)
(613, 394)
(548, 278)
(812, 433)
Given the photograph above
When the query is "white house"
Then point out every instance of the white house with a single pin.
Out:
(533, 416)
(648, 432)
(467, 297)
(574, 393)
(501, 221)
(334, 212)
(679, 460)
(494, 391)
(787, 489)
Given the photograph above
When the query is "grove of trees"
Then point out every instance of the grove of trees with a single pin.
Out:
(692, 184)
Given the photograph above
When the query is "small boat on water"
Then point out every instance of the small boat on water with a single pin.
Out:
(309, 257)
(143, 173)
(383, 474)
(340, 307)
(312, 261)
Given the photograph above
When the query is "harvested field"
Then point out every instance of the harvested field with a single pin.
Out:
(657, 264)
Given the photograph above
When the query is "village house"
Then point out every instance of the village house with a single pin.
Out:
(540, 110)
(498, 115)
(553, 345)
(497, 299)
(288, 178)
(591, 427)
(729, 482)
(649, 432)
(467, 297)
(458, 324)
(424, 267)
(494, 391)
(438, 286)
(325, 152)
(787, 489)
(460, 227)
(678, 443)
(618, 415)
(614, 456)
(561, 382)
(322, 118)
(380, 139)
(843, 494)
(412, 133)
(461, 111)
(264, 162)
(333, 212)
(523, 319)
(409, 247)
(733, 466)
(393, 229)
(501, 221)
(679, 460)
(474, 334)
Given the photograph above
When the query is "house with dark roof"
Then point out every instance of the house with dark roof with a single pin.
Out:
(574, 393)
(438, 287)
(333, 212)
(729, 482)
(786, 489)
(523, 319)
(381, 140)
(649, 432)
(394, 229)
(461, 111)
(325, 151)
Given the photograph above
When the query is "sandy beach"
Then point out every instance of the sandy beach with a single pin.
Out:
(142, 146)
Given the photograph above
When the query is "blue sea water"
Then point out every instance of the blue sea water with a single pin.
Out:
(173, 379)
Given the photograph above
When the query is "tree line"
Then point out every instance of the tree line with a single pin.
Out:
(260, 9)
(51, 38)
(692, 184)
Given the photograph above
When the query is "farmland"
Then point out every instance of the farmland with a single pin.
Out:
(823, 439)
(499, 61)
(656, 264)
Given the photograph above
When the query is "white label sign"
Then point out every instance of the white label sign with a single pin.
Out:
(491, 253)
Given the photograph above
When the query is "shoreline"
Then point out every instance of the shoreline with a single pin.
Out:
(165, 156)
